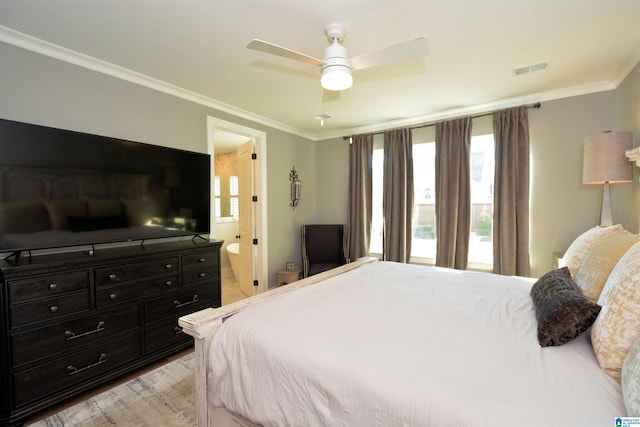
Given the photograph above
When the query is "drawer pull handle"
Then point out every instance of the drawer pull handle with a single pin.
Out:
(202, 260)
(179, 304)
(177, 330)
(53, 286)
(112, 277)
(53, 309)
(169, 282)
(168, 266)
(113, 296)
(71, 336)
(73, 370)
(202, 274)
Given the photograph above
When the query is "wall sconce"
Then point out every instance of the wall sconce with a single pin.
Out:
(296, 188)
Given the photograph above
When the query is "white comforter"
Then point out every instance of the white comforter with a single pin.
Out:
(393, 344)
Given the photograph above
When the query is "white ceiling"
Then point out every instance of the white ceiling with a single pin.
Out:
(197, 49)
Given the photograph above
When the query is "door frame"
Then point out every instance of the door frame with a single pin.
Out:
(260, 138)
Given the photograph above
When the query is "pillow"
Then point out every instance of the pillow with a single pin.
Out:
(81, 223)
(600, 260)
(24, 217)
(59, 210)
(562, 311)
(97, 207)
(618, 326)
(580, 246)
(631, 381)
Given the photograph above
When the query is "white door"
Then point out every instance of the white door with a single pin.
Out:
(248, 251)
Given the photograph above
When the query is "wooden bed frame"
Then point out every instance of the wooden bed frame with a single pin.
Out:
(203, 325)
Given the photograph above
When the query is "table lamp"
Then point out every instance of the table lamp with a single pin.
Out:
(605, 163)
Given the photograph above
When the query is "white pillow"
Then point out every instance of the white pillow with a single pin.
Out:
(617, 327)
(599, 261)
(580, 246)
(631, 381)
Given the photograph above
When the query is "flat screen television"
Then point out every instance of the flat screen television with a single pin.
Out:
(61, 189)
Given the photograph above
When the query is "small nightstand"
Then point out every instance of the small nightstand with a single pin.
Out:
(285, 276)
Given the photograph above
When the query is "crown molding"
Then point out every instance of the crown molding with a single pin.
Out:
(45, 48)
(33, 44)
(473, 110)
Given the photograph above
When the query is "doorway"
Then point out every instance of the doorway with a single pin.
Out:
(225, 137)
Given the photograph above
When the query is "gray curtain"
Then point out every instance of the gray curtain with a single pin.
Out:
(511, 192)
(360, 182)
(453, 192)
(397, 197)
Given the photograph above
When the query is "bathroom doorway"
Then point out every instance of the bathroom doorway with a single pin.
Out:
(237, 206)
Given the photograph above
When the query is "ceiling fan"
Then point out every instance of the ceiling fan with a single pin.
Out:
(336, 67)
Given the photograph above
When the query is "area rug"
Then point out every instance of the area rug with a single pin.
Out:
(164, 396)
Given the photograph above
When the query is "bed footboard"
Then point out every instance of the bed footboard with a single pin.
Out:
(203, 325)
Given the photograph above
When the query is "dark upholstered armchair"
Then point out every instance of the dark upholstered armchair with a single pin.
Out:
(323, 247)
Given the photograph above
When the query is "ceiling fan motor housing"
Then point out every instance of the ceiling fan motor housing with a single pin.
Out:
(336, 69)
(336, 56)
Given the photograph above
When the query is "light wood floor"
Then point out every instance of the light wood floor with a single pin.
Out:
(230, 293)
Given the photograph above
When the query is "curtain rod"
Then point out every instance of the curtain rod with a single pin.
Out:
(535, 105)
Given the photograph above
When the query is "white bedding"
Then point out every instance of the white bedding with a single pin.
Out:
(395, 344)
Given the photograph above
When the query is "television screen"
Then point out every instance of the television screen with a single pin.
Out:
(60, 188)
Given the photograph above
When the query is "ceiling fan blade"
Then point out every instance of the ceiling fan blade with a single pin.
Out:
(274, 49)
(413, 49)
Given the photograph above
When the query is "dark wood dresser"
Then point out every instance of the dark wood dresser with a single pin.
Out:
(73, 321)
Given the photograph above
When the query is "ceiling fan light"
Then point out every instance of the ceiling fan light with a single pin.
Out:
(336, 77)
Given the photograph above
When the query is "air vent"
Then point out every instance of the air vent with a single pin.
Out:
(530, 68)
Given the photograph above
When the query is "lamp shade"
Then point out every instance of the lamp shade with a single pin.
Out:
(605, 160)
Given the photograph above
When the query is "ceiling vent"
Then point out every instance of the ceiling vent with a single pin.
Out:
(530, 68)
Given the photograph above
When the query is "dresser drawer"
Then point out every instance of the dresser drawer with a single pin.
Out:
(181, 303)
(49, 308)
(73, 369)
(108, 296)
(47, 286)
(106, 276)
(165, 334)
(67, 336)
(195, 276)
(199, 260)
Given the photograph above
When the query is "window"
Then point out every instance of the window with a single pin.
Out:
(482, 172)
(423, 246)
(233, 196)
(226, 196)
(423, 243)
(377, 220)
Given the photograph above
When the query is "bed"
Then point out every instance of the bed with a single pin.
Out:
(381, 343)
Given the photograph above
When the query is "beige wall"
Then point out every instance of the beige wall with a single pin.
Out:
(37, 89)
(626, 202)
